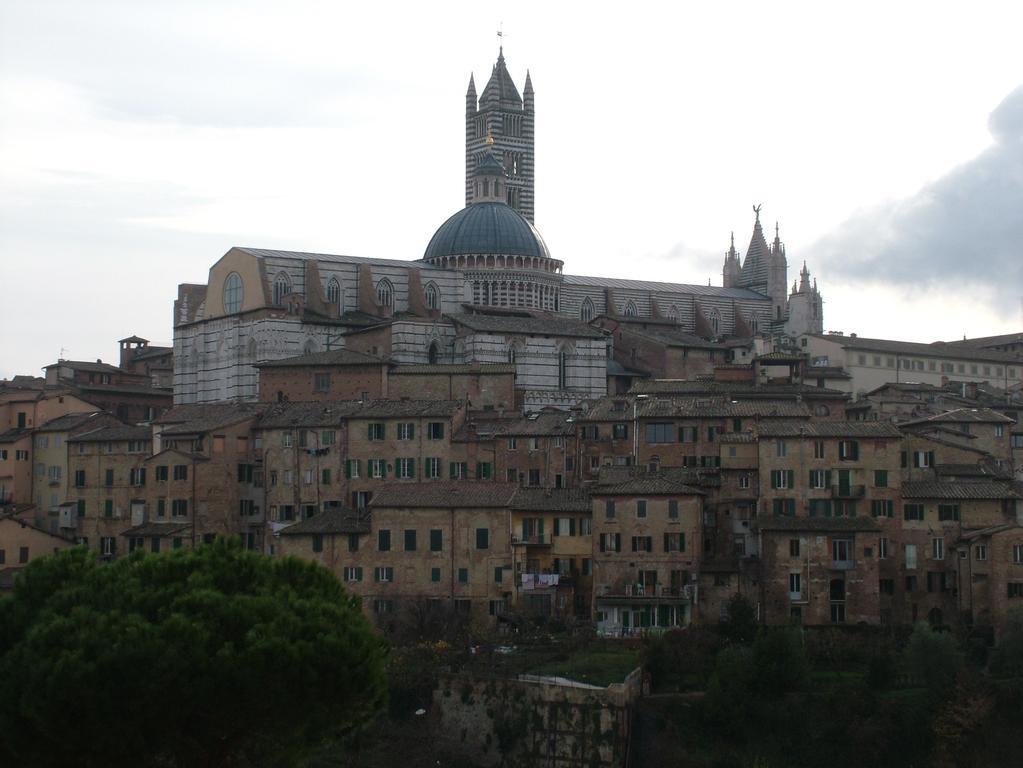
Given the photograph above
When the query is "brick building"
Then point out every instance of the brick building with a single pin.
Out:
(647, 534)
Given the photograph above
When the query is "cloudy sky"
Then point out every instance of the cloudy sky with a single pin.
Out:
(140, 140)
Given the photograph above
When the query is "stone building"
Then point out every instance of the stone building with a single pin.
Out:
(446, 541)
(107, 470)
(552, 551)
(51, 479)
(21, 543)
(819, 570)
(647, 534)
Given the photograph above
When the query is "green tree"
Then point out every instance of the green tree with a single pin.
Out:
(1007, 660)
(216, 656)
(740, 625)
(932, 658)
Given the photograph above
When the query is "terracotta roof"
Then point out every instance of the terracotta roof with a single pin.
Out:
(156, 529)
(336, 357)
(332, 520)
(420, 370)
(546, 325)
(937, 349)
(607, 409)
(866, 429)
(113, 434)
(485, 425)
(196, 418)
(447, 494)
(70, 421)
(816, 524)
(969, 470)
(979, 490)
(85, 365)
(552, 500)
(693, 387)
(986, 341)
(647, 486)
(990, 531)
(13, 435)
(963, 416)
(331, 413)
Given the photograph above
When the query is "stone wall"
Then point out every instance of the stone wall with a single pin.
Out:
(537, 721)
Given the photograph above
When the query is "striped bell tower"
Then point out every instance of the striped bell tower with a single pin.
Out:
(507, 118)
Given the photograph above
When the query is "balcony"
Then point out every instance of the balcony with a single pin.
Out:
(843, 565)
(847, 491)
(534, 540)
(654, 592)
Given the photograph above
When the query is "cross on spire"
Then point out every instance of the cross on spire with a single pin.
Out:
(500, 40)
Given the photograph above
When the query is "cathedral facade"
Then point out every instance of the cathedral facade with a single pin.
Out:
(486, 289)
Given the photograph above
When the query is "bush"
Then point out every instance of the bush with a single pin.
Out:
(932, 658)
(1007, 659)
(741, 624)
(681, 658)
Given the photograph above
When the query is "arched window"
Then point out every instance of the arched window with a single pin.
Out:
(251, 350)
(562, 369)
(334, 294)
(282, 287)
(673, 314)
(233, 294)
(753, 325)
(630, 309)
(432, 353)
(822, 410)
(715, 322)
(385, 293)
(432, 296)
(586, 310)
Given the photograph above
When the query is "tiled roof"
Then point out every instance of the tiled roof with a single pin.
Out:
(647, 486)
(13, 435)
(675, 338)
(330, 413)
(606, 409)
(648, 286)
(113, 434)
(336, 357)
(552, 500)
(816, 524)
(969, 470)
(446, 494)
(744, 389)
(85, 365)
(989, 341)
(963, 416)
(265, 253)
(979, 490)
(126, 389)
(981, 533)
(419, 370)
(937, 349)
(156, 529)
(866, 429)
(196, 418)
(545, 325)
(70, 421)
(333, 520)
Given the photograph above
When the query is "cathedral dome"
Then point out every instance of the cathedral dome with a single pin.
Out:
(486, 228)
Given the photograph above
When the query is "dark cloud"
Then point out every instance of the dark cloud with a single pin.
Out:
(963, 230)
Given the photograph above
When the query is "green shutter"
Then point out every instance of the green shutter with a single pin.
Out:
(412, 468)
(348, 469)
(451, 466)
(682, 542)
(827, 478)
(791, 477)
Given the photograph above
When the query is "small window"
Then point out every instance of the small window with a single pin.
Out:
(385, 293)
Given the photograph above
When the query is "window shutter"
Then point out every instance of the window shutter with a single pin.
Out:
(618, 542)
(827, 478)
(916, 458)
(790, 475)
(540, 527)
(348, 469)
(667, 545)
(682, 542)
(451, 467)
(774, 478)
(571, 526)
(930, 458)
(603, 542)
(412, 468)
(855, 450)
